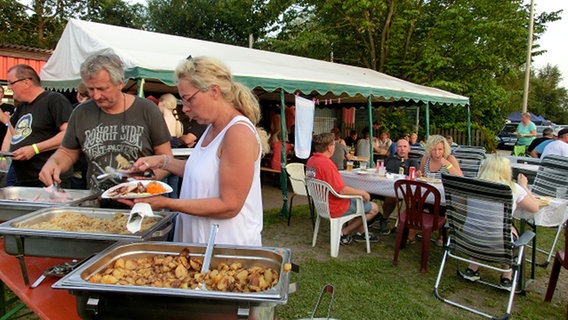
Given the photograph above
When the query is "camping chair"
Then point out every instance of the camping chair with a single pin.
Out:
(297, 177)
(416, 152)
(520, 151)
(469, 167)
(417, 215)
(479, 217)
(320, 191)
(469, 152)
(560, 260)
(552, 174)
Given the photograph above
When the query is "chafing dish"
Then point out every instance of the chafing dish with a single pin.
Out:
(68, 244)
(17, 201)
(121, 301)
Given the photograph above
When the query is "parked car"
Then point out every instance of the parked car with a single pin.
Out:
(507, 137)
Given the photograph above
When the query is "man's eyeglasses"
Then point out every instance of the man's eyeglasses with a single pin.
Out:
(11, 83)
(187, 101)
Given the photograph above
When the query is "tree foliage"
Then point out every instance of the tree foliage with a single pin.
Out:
(224, 21)
(469, 47)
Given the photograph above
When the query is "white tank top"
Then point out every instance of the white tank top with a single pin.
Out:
(201, 180)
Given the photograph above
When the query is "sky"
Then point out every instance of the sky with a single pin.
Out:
(553, 40)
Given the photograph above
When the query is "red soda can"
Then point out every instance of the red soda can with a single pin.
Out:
(411, 173)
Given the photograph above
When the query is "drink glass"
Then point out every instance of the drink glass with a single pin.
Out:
(363, 166)
(382, 171)
(5, 163)
(349, 165)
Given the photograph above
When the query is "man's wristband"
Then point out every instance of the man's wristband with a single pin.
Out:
(36, 149)
(449, 166)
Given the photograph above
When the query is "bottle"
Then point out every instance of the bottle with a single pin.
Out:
(401, 167)
(411, 173)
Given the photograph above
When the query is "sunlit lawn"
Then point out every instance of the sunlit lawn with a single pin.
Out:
(368, 286)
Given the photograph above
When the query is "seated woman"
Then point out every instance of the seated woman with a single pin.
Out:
(437, 158)
(383, 143)
(276, 147)
(497, 168)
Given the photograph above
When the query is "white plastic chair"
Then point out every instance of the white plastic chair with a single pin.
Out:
(319, 191)
(297, 176)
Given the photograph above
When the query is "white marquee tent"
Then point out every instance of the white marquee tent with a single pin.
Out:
(153, 57)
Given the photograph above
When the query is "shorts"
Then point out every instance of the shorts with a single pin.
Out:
(353, 207)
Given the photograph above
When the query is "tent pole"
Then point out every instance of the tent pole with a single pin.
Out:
(140, 82)
(371, 133)
(283, 175)
(468, 126)
(427, 120)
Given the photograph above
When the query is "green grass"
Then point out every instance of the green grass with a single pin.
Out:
(369, 286)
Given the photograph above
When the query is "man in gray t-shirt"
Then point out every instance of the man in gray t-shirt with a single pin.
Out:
(112, 129)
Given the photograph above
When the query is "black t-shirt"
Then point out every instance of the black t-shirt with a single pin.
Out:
(536, 142)
(392, 164)
(35, 122)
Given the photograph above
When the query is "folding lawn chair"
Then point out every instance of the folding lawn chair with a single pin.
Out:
(479, 217)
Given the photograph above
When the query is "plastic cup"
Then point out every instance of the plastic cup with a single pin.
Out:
(349, 165)
(363, 165)
(5, 163)
(382, 171)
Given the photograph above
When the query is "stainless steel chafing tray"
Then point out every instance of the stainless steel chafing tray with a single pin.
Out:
(17, 201)
(117, 301)
(68, 244)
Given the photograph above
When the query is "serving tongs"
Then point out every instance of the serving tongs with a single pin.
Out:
(208, 253)
(138, 212)
(120, 174)
(58, 270)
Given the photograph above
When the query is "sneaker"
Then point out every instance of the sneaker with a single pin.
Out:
(506, 283)
(385, 227)
(345, 240)
(360, 237)
(471, 275)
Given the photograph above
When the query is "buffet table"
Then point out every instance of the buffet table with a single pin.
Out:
(44, 301)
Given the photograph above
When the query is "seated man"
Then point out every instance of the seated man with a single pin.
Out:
(546, 136)
(394, 165)
(559, 146)
(326, 170)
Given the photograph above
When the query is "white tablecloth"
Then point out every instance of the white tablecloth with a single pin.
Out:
(551, 215)
(383, 186)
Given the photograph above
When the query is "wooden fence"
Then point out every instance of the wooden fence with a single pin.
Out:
(460, 137)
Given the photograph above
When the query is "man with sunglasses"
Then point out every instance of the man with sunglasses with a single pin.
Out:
(37, 127)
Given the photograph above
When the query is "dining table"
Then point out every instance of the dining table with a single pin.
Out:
(552, 213)
(383, 185)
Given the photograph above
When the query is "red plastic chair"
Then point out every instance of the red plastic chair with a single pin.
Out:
(417, 215)
(560, 260)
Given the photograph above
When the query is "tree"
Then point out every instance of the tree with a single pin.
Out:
(546, 98)
(224, 21)
(469, 47)
(116, 12)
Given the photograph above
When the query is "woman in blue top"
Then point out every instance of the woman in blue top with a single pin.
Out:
(526, 130)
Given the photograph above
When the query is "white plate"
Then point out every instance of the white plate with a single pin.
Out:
(133, 195)
(363, 172)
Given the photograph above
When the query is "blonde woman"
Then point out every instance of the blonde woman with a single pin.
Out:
(221, 179)
(167, 105)
(497, 168)
(437, 158)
